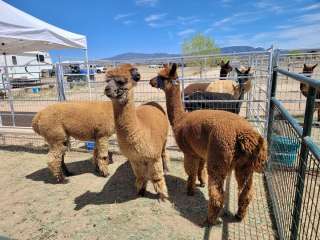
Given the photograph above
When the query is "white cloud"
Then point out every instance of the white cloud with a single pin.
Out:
(186, 32)
(121, 16)
(310, 18)
(268, 5)
(128, 22)
(155, 17)
(222, 21)
(149, 3)
(188, 20)
(311, 7)
(295, 37)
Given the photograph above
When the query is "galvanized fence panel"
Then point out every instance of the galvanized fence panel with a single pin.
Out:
(293, 166)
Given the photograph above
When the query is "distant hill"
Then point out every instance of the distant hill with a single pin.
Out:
(132, 55)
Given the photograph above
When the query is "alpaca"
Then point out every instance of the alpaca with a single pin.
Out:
(232, 103)
(80, 120)
(223, 140)
(200, 87)
(304, 88)
(141, 131)
(205, 100)
(231, 87)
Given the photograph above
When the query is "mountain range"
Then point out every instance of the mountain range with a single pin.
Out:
(134, 55)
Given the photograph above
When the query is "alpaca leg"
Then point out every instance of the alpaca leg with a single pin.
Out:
(157, 177)
(191, 166)
(55, 154)
(139, 170)
(65, 170)
(319, 112)
(102, 158)
(165, 159)
(245, 191)
(202, 173)
(216, 199)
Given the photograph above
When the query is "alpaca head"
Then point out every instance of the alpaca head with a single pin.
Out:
(167, 78)
(243, 76)
(308, 70)
(225, 68)
(120, 81)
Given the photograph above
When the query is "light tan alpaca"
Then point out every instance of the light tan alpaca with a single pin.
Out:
(230, 86)
(80, 120)
(141, 131)
(223, 140)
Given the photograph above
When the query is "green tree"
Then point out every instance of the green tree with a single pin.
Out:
(200, 44)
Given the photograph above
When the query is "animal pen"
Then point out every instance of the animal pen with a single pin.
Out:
(274, 105)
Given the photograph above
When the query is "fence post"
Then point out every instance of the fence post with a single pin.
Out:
(182, 82)
(6, 71)
(60, 85)
(273, 87)
(307, 126)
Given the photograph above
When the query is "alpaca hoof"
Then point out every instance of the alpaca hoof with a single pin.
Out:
(208, 222)
(142, 192)
(110, 157)
(190, 192)
(103, 173)
(163, 197)
(60, 178)
(238, 217)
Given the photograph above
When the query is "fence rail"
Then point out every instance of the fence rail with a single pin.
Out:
(294, 164)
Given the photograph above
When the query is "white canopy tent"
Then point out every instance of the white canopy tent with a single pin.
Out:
(21, 32)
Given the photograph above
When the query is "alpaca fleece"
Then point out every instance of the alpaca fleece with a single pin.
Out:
(222, 140)
(141, 132)
(80, 120)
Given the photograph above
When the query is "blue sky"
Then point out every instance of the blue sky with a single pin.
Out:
(148, 26)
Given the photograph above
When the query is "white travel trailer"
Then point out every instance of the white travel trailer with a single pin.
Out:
(25, 67)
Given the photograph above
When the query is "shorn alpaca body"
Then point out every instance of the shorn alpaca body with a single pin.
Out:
(80, 120)
(304, 88)
(201, 87)
(141, 131)
(223, 140)
(232, 103)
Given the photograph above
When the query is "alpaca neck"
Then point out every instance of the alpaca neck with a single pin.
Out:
(223, 74)
(175, 108)
(125, 116)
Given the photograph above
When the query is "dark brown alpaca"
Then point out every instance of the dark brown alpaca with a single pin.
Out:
(304, 88)
(201, 87)
(223, 140)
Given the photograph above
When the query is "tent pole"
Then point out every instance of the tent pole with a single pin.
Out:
(88, 73)
(9, 89)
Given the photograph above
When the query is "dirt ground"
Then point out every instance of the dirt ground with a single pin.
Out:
(92, 207)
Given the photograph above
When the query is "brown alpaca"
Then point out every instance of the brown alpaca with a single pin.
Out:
(201, 87)
(304, 88)
(224, 140)
(80, 120)
(141, 131)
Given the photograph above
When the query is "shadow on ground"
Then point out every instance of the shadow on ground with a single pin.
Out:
(76, 168)
(120, 188)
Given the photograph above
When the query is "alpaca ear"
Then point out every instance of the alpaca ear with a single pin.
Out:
(222, 63)
(314, 66)
(248, 70)
(304, 65)
(227, 63)
(165, 65)
(173, 70)
(238, 71)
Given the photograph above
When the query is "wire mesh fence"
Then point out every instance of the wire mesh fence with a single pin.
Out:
(294, 158)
